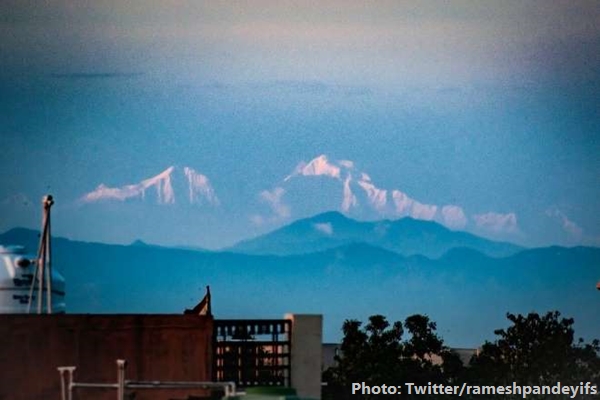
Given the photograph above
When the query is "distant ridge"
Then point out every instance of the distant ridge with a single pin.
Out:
(406, 236)
(465, 291)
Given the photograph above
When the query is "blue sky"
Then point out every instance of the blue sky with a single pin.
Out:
(489, 105)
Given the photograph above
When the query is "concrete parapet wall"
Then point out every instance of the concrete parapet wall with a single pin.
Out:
(306, 357)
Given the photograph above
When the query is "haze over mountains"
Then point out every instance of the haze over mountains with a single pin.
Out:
(344, 187)
(481, 118)
(419, 124)
(353, 275)
(183, 206)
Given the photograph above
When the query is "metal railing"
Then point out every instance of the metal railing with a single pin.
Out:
(67, 383)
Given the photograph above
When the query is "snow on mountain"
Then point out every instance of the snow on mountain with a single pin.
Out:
(318, 185)
(360, 194)
(357, 184)
(454, 216)
(377, 197)
(497, 222)
(199, 189)
(350, 200)
(319, 166)
(161, 183)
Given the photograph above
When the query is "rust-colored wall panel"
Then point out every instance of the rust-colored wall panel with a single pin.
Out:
(157, 347)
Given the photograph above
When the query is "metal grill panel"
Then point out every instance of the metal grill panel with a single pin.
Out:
(252, 352)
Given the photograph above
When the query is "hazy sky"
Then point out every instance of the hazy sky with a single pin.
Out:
(490, 105)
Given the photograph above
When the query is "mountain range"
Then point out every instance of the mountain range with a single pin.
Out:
(312, 187)
(406, 236)
(356, 274)
(198, 188)
(180, 206)
(341, 185)
(358, 191)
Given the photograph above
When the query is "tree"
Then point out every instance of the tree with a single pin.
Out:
(536, 350)
(376, 354)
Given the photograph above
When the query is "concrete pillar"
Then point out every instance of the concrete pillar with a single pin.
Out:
(307, 335)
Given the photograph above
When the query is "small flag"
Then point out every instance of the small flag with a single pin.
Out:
(202, 308)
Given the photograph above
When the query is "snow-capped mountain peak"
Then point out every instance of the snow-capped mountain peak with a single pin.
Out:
(358, 194)
(161, 185)
(318, 166)
(344, 171)
(199, 187)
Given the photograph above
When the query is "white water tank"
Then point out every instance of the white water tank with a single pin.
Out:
(16, 274)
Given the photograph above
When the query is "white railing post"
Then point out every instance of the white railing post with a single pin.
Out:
(121, 364)
(66, 382)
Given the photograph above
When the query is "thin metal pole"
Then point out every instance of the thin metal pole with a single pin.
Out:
(71, 371)
(36, 271)
(63, 394)
(32, 287)
(88, 385)
(66, 382)
(121, 364)
(49, 260)
(42, 264)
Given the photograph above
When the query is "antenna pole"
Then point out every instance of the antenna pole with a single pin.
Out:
(48, 257)
(43, 258)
